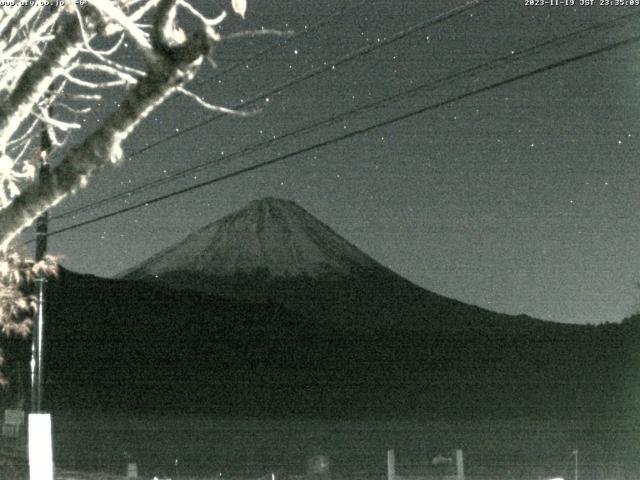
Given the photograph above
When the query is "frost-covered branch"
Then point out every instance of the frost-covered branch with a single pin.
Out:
(140, 12)
(257, 33)
(47, 120)
(208, 24)
(209, 106)
(55, 65)
(120, 19)
(37, 78)
(174, 66)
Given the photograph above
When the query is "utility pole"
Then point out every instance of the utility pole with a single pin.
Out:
(459, 465)
(575, 476)
(40, 441)
(42, 223)
(391, 464)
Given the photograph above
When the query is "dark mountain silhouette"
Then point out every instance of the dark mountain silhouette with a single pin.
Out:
(300, 322)
(129, 345)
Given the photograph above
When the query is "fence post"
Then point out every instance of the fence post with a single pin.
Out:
(391, 464)
(459, 464)
(132, 470)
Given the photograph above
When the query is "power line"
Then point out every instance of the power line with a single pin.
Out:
(358, 132)
(512, 56)
(344, 59)
(317, 71)
(306, 31)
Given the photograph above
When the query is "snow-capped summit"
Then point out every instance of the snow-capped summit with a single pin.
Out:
(273, 250)
(270, 235)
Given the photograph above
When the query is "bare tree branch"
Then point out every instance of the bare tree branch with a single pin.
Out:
(104, 145)
(52, 58)
(35, 81)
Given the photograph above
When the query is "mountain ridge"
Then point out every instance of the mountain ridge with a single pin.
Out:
(124, 344)
(270, 233)
(305, 265)
(342, 343)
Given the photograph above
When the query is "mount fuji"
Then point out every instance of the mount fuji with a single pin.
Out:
(309, 310)
(275, 250)
(268, 311)
(272, 236)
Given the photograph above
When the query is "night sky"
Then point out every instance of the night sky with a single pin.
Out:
(519, 199)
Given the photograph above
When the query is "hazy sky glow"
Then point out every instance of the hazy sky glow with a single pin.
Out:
(519, 199)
